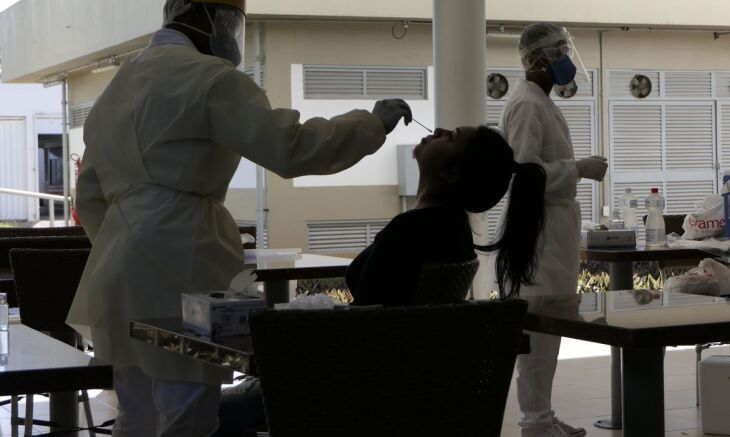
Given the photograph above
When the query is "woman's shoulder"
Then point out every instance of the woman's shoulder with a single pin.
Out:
(427, 219)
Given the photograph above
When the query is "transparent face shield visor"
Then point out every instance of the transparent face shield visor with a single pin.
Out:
(228, 27)
(556, 53)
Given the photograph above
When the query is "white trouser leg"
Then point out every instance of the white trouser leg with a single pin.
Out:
(535, 372)
(186, 409)
(136, 416)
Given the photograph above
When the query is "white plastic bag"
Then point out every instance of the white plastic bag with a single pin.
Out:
(708, 222)
(710, 244)
(710, 278)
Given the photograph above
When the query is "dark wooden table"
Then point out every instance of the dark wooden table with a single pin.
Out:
(642, 331)
(276, 271)
(621, 274)
(37, 363)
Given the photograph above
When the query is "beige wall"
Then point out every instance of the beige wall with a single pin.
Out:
(242, 204)
(650, 13)
(287, 43)
(659, 50)
(85, 87)
(347, 44)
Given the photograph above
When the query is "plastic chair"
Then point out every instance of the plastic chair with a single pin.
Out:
(6, 244)
(421, 371)
(445, 283)
(46, 281)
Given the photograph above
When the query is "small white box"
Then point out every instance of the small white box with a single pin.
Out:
(715, 395)
(219, 313)
(608, 239)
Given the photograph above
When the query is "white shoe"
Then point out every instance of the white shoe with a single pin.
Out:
(569, 430)
(557, 429)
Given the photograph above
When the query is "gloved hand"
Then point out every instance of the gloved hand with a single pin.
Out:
(390, 111)
(592, 168)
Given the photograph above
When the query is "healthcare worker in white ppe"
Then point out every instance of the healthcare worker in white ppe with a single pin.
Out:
(162, 144)
(538, 132)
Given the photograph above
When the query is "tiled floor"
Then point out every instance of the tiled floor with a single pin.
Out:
(581, 393)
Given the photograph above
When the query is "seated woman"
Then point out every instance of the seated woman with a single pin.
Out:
(465, 170)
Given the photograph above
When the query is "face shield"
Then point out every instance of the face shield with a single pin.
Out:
(227, 20)
(549, 48)
(227, 37)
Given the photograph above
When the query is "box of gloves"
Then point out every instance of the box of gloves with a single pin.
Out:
(613, 239)
(219, 313)
(222, 313)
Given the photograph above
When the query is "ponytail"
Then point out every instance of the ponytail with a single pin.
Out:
(517, 259)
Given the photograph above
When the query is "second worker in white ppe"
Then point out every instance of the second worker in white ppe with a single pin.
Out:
(538, 132)
(163, 142)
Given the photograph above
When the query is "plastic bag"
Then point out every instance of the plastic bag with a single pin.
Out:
(710, 278)
(675, 241)
(708, 222)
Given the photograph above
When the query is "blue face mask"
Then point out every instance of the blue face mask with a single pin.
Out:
(562, 72)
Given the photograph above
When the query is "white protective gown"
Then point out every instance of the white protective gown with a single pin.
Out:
(538, 133)
(162, 144)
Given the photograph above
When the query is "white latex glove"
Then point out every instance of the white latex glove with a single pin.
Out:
(390, 111)
(592, 168)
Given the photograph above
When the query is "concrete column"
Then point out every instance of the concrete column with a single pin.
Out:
(459, 59)
(460, 83)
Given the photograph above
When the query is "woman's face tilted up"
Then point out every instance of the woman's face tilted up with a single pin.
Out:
(438, 154)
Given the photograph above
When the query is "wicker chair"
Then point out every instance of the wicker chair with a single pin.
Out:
(46, 281)
(6, 244)
(445, 283)
(421, 371)
(63, 231)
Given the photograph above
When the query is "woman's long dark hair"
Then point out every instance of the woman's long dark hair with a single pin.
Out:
(487, 169)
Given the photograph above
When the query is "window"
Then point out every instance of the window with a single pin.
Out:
(673, 140)
(79, 114)
(342, 236)
(341, 82)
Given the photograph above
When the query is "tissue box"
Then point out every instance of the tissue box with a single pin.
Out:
(607, 239)
(219, 313)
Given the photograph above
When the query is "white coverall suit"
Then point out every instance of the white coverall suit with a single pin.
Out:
(538, 132)
(162, 144)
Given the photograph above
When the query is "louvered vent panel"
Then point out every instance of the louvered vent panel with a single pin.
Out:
(683, 197)
(79, 114)
(620, 83)
(688, 84)
(338, 82)
(690, 137)
(637, 138)
(342, 236)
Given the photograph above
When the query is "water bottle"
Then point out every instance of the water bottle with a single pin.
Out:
(656, 235)
(629, 204)
(616, 221)
(4, 335)
(3, 312)
(725, 191)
